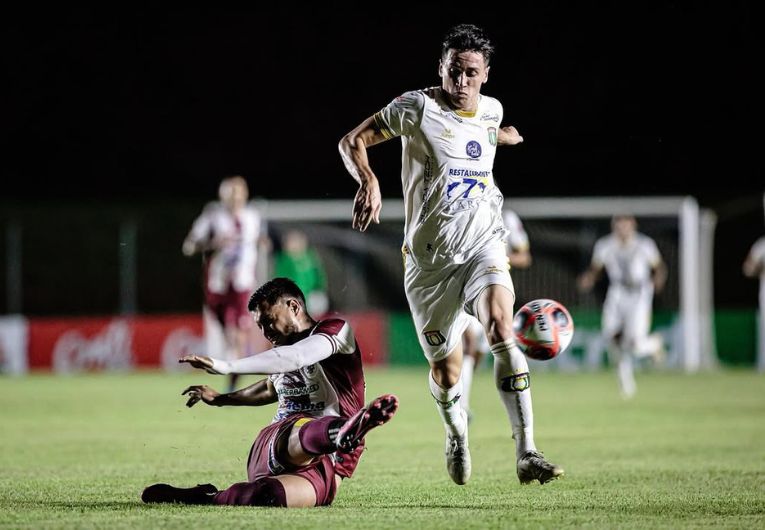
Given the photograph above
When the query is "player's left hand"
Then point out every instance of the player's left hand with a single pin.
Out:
(198, 393)
(199, 361)
(509, 135)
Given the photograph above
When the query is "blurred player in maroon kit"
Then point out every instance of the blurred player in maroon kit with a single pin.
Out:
(227, 234)
(317, 435)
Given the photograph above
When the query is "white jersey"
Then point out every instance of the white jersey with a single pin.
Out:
(233, 264)
(453, 209)
(628, 264)
(517, 239)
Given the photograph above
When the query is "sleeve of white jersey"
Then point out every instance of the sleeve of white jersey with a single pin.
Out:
(200, 230)
(280, 359)
(758, 251)
(402, 115)
(599, 252)
(517, 238)
(654, 256)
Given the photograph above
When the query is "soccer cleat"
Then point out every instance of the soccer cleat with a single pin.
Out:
(379, 411)
(533, 466)
(200, 494)
(458, 457)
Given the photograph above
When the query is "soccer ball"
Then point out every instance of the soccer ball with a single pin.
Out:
(543, 328)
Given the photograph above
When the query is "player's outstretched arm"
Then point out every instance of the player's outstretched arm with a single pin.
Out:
(277, 360)
(260, 393)
(509, 135)
(659, 276)
(587, 279)
(353, 151)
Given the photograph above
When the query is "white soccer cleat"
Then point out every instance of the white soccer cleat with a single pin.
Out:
(458, 457)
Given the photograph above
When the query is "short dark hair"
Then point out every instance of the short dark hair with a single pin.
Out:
(467, 37)
(271, 291)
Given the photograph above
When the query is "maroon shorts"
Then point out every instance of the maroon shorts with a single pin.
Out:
(264, 462)
(230, 308)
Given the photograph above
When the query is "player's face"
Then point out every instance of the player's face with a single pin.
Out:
(279, 322)
(462, 74)
(624, 227)
(233, 195)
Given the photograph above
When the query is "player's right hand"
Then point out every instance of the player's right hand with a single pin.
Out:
(200, 392)
(367, 204)
(199, 361)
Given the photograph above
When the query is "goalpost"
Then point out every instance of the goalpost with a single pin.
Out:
(365, 269)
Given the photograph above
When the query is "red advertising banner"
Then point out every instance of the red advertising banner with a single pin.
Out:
(122, 343)
(112, 343)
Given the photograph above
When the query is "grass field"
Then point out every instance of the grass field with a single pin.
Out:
(688, 451)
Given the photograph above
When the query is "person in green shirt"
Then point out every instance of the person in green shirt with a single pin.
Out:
(298, 261)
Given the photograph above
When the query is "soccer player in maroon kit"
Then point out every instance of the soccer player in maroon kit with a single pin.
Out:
(317, 434)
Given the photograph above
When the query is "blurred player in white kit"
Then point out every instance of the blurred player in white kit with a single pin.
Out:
(454, 249)
(227, 233)
(754, 267)
(474, 341)
(635, 272)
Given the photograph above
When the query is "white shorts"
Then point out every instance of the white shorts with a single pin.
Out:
(442, 300)
(627, 313)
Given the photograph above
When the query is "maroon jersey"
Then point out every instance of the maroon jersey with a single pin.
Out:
(332, 387)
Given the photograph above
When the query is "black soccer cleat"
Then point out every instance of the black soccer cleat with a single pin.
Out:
(199, 494)
(533, 466)
(378, 412)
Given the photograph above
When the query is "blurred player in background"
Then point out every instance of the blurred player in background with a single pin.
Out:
(454, 250)
(317, 435)
(298, 261)
(754, 267)
(635, 272)
(474, 341)
(227, 234)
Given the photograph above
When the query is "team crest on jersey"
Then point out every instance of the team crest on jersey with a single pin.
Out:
(492, 135)
(434, 337)
(473, 149)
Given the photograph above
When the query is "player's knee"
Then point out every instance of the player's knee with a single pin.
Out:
(265, 491)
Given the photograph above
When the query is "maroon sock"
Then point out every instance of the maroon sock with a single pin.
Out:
(317, 437)
(263, 492)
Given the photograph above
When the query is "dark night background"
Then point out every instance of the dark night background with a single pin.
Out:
(644, 99)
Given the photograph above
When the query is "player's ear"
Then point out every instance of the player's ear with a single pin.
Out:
(294, 306)
(486, 75)
(440, 68)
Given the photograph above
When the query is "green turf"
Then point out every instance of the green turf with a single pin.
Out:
(688, 451)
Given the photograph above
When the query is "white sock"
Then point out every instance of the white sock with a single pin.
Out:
(448, 405)
(468, 367)
(626, 376)
(511, 375)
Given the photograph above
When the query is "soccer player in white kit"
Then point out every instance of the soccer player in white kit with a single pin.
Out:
(635, 271)
(227, 233)
(754, 267)
(474, 340)
(454, 250)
